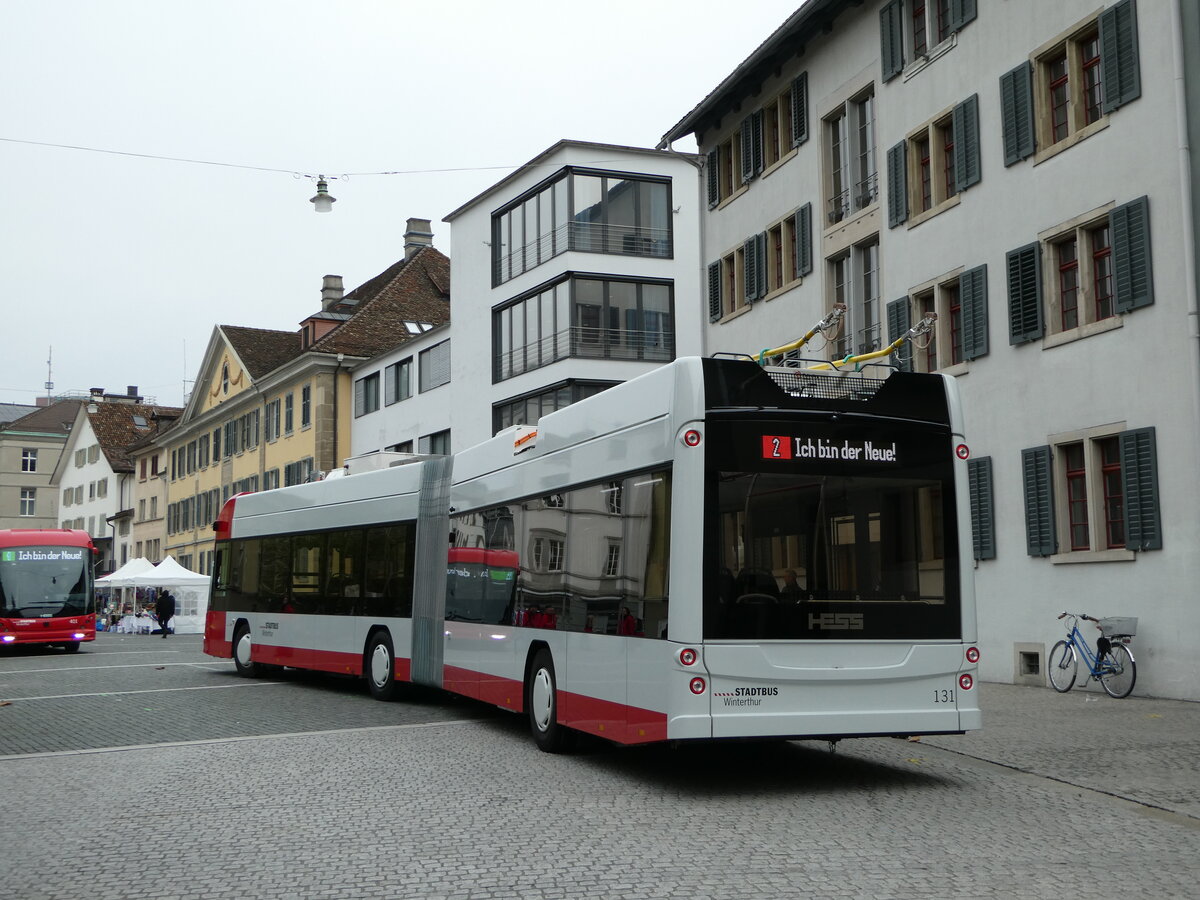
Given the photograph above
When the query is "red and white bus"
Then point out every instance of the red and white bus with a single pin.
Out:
(712, 550)
(46, 594)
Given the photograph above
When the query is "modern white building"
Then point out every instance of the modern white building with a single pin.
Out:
(576, 272)
(1023, 170)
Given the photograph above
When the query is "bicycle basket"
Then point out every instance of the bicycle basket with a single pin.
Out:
(1118, 625)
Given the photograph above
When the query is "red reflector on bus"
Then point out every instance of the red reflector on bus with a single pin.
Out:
(697, 685)
(972, 654)
(962, 451)
(687, 656)
(966, 682)
(691, 438)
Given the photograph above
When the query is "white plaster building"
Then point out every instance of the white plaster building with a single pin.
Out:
(1022, 169)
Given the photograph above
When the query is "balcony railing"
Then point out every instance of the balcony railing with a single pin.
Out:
(584, 342)
(590, 237)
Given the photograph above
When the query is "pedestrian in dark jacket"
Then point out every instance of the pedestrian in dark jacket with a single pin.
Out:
(164, 610)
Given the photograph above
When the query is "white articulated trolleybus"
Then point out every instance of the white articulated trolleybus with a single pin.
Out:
(712, 550)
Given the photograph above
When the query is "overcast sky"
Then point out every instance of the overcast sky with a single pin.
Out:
(117, 267)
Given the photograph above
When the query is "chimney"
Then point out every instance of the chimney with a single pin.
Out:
(131, 390)
(96, 393)
(418, 235)
(331, 292)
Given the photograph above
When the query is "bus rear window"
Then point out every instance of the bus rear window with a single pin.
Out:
(832, 548)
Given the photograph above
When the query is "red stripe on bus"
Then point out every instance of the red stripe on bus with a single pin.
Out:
(604, 718)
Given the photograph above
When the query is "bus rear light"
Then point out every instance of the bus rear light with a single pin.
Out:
(697, 685)
(688, 656)
(966, 682)
(691, 438)
(972, 655)
(962, 451)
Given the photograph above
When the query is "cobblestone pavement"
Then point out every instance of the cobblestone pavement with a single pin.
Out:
(306, 788)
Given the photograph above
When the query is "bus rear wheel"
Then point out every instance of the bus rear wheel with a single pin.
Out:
(242, 651)
(541, 702)
(381, 666)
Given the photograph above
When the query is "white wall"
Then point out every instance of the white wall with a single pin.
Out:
(1140, 374)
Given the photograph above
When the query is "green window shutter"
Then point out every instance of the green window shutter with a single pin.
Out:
(891, 39)
(751, 267)
(804, 249)
(714, 291)
(1025, 321)
(756, 135)
(1016, 113)
(760, 266)
(983, 522)
(1039, 501)
(800, 109)
(1119, 65)
(714, 185)
(972, 295)
(747, 148)
(962, 12)
(1133, 277)
(899, 320)
(965, 125)
(897, 173)
(1139, 485)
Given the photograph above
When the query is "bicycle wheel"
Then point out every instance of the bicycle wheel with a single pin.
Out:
(1062, 664)
(1118, 672)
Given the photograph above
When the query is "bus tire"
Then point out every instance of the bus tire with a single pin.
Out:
(71, 646)
(380, 666)
(242, 648)
(541, 702)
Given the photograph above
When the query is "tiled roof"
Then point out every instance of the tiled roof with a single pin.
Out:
(116, 430)
(54, 419)
(261, 350)
(413, 290)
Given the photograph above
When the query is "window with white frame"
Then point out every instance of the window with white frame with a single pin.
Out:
(28, 502)
(433, 366)
(854, 281)
(853, 182)
(397, 381)
(366, 394)
(29, 457)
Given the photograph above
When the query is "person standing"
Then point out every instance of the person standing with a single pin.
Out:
(164, 610)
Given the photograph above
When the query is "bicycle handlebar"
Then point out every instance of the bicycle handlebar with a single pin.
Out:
(1083, 616)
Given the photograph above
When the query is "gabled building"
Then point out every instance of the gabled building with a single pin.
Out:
(1022, 171)
(95, 473)
(30, 446)
(272, 408)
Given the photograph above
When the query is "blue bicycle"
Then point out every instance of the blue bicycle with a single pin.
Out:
(1112, 664)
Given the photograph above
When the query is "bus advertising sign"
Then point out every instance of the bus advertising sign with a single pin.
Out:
(785, 447)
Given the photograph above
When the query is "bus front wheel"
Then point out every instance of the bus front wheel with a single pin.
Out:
(381, 666)
(71, 646)
(541, 701)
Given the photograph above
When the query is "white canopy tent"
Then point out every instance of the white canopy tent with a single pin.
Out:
(189, 588)
(121, 578)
